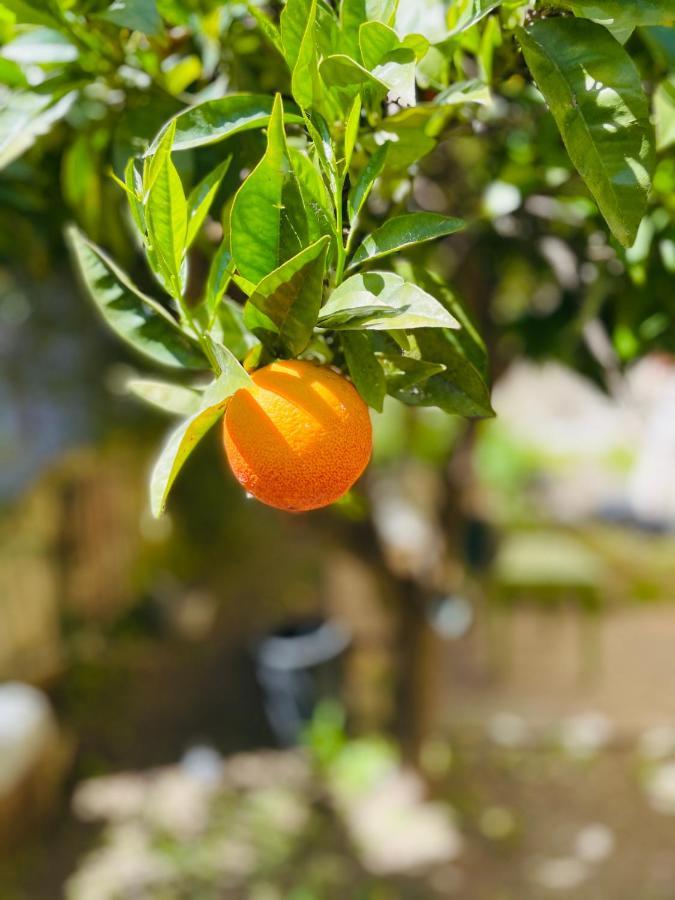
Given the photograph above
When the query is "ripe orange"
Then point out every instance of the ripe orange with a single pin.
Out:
(299, 438)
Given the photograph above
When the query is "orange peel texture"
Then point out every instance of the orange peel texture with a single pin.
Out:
(300, 438)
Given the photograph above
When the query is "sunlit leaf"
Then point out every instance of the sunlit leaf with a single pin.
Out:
(215, 120)
(167, 221)
(174, 399)
(134, 317)
(366, 179)
(201, 197)
(624, 13)
(268, 220)
(381, 301)
(594, 92)
(185, 438)
(664, 114)
(404, 231)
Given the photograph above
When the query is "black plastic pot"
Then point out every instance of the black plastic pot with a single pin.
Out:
(297, 666)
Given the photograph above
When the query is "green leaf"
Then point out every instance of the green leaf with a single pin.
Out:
(201, 197)
(306, 85)
(594, 92)
(231, 329)
(137, 319)
(24, 117)
(366, 179)
(343, 73)
(170, 398)
(664, 114)
(376, 41)
(136, 15)
(472, 91)
(290, 297)
(220, 273)
(382, 301)
(354, 13)
(154, 162)
(314, 195)
(134, 187)
(32, 12)
(215, 120)
(167, 221)
(268, 223)
(351, 132)
(624, 13)
(466, 339)
(459, 389)
(267, 26)
(185, 438)
(404, 231)
(402, 372)
(293, 22)
(228, 365)
(364, 368)
(468, 13)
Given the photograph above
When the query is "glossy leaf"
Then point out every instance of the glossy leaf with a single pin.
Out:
(170, 398)
(293, 23)
(664, 114)
(364, 368)
(290, 297)
(185, 438)
(268, 222)
(220, 273)
(342, 72)
(228, 365)
(306, 85)
(466, 339)
(404, 231)
(167, 221)
(135, 318)
(624, 13)
(402, 372)
(594, 92)
(470, 12)
(215, 120)
(201, 197)
(366, 180)
(459, 389)
(382, 301)
(351, 132)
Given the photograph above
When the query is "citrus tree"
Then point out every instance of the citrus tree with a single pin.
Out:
(306, 279)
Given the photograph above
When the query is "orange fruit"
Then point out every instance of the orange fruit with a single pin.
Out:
(299, 438)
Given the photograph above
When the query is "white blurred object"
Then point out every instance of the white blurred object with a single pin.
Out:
(508, 730)
(651, 487)
(584, 735)
(594, 843)
(560, 874)
(660, 788)
(27, 729)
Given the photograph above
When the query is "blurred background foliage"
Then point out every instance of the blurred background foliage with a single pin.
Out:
(471, 568)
